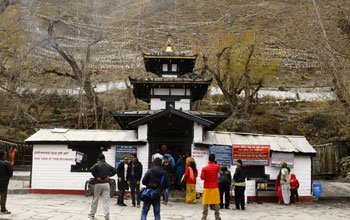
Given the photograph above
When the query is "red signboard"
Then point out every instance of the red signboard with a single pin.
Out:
(251, 154)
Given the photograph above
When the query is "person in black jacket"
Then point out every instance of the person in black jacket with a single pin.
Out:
(225, 180)
(133, 178)
(6, 173)
(153, 178)
(239, 183)
(122, 183)
(102, 171)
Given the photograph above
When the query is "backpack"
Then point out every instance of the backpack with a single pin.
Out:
(224, 178)
(151, 194)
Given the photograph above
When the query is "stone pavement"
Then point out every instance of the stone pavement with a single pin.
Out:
(60, 207)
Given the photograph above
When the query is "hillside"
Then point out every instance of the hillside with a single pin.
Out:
(290, 30)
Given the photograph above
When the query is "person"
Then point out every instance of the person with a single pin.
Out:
(6, 173)
(122, 183)
(157, 155)
(12, 154)
(294, 185)
(171, 159)
(102, 172)
(283, 184)
(191, 174)
(180, 171)
(133, 177)
(153, 178)
(239, 183)
(211, 195)
(225, 180)
(168, 169)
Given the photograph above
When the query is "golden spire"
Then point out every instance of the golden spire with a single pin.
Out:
(169, 44)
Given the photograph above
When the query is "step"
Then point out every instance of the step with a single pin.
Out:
(18, 191)
(22, 168)
(21, 175)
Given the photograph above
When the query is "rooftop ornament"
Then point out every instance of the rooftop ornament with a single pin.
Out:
(170, 44)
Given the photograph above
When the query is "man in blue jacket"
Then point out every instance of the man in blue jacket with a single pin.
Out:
(102, 171)
(5, 175)
(153, 178)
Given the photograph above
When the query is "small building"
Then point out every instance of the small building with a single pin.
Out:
(62, 157)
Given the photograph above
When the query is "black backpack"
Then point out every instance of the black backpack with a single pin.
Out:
(224, 178)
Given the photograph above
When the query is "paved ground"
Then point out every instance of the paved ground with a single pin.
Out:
(332, 188)
(36, 206)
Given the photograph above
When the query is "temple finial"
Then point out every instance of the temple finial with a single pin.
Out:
(169, 44)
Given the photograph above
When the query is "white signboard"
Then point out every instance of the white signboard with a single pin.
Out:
(201, 156)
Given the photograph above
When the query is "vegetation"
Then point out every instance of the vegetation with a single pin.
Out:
(47, 47)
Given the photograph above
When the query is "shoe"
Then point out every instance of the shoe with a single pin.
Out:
(121, 204)
(133, 205)
(227, 207)
(165, 203)
(6, 212)
(243, 208)
(138, 205)
(91, 216)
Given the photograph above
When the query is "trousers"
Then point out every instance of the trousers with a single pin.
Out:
(101, 190)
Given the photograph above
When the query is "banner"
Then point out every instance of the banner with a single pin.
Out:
(277, 158)
(223, 153)
(258, 155)
(201, 156)
(121, 151)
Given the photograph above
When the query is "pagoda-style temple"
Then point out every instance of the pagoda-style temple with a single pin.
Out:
(170, 94)
(172, 121)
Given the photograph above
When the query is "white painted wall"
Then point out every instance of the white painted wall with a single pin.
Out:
(142, 154)
(161, 91)
(157, 104)
(302, 170)
(184, 104)
(177, 92)
(51, 168)
(197, 132)
(142, 132)
(52, 165)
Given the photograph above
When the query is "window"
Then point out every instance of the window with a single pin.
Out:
(255, 172)
(170, 104)
(173, 67)
(86, 156)
(165, 67)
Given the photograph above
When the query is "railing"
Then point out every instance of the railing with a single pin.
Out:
(24, 151)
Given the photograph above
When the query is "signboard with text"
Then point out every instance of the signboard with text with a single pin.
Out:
(257, 155)
(223, 153)
(121, 151)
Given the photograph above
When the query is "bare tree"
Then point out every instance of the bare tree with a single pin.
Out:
(81, 73)
(335, 60)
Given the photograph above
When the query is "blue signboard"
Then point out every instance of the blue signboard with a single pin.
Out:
(121, 151)
(223, 153)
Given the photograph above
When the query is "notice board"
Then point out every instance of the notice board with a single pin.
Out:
(123, 150)
(223, 153)
(201, 156)
(258, 155)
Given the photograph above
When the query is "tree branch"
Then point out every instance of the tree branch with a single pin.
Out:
(52, 41)
(58, 73)
(3, 5)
